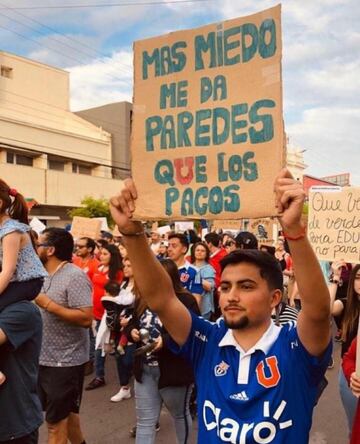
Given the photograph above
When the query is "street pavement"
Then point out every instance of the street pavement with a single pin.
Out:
(104, 422)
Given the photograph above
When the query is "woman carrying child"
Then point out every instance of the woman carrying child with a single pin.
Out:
(22, 272)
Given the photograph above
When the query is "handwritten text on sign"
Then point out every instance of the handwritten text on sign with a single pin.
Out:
(334, 224)
(207, 137)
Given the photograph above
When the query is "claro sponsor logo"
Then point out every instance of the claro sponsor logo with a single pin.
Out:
(230, 430)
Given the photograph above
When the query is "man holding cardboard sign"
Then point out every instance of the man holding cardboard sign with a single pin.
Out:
(207, 120)
(256, 382)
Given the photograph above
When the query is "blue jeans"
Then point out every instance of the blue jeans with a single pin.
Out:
(124, 364)
(349, 401)
(149, 398)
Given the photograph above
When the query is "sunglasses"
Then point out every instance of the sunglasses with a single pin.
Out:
(43, 245)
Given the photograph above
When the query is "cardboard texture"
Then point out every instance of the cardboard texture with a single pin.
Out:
(85, 227)
(334, 223)
(207, 133)
(263, 230)
(104, 223)
(116, 232)
(226, 225)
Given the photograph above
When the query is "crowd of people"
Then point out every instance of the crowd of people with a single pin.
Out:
(219, 326)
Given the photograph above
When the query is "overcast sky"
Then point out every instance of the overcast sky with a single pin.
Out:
(321, 59)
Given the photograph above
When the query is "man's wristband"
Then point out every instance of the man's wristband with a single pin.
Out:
(299, 236)
(138, 233)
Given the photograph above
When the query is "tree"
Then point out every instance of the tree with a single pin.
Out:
(93, 208)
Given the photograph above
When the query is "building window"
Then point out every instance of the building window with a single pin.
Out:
(10, 157)
(6, 71)
(79, 168)
(24, 160)
(19, 159)
(56, 165)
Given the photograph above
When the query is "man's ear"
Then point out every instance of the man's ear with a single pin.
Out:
(50, 251)
(276, 297)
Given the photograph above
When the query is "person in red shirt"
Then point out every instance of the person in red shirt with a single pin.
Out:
(85, 259)
(110, 269)
(216, 254)
(349, 367)
(84, 256)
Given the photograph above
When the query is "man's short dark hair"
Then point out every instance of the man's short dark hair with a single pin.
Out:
(268, 266)
(182, 238)
(90, 243)
(246, 241)
(62, 241)
(213, 238)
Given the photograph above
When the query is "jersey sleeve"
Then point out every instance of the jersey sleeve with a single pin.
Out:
(79, 291)
(197, 342)
(19, 322)
(313, 367)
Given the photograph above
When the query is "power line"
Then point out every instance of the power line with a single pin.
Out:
(52, 49)
(127, 69)
(109, 5)
(38, 43)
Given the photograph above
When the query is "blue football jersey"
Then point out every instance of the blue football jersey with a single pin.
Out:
(188, 278)
(265, 395)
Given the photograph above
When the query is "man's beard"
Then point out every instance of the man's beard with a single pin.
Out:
(43, 259)
(240, 324)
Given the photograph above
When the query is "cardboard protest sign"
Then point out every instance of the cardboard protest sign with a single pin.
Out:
(334, 223)
(116, 232)
(263, 229)
(207, 132)
(234, 225)
(164, 230)
(104, 223)
(85, 227)
(184, 226)
(37, 225)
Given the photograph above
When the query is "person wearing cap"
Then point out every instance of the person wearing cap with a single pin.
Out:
(229, 244)
(246, 241)
(163, 250)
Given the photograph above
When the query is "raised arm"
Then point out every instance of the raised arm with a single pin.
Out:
(314, 319)
(152, 280)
